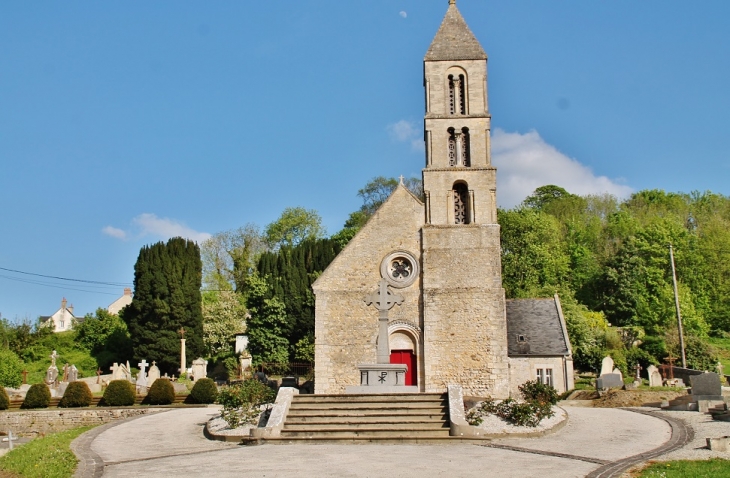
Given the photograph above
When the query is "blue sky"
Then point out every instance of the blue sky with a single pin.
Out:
(125, 123)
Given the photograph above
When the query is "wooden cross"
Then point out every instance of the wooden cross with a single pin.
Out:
(98, 375)
(670, 359)
(181, 331)
(25, 376)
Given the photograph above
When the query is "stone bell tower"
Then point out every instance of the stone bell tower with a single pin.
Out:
(464, 323)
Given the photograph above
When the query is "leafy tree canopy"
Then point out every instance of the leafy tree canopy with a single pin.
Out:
(293, 226)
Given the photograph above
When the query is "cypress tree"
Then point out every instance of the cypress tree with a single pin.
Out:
(167, 280)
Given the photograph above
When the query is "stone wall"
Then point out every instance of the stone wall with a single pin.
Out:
(41, 422)
(523, 369)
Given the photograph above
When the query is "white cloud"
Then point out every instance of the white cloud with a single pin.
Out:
(148, 224)
(403, 14)
(114, 232)
(407, 132)
(525, 162)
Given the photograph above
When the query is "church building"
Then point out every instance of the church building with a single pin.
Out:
(439, 260)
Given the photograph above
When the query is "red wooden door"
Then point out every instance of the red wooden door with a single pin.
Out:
(409, 358)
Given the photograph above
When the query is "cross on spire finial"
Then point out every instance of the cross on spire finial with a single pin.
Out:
(452, 2)
(401, 180)
(181, 331)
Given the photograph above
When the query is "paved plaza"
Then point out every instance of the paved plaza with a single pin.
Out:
(171, 444)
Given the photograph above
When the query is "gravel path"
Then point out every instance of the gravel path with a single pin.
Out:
(704, 427)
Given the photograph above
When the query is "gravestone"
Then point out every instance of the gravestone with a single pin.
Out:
(707, 383)
(606, 365)
(142, 376)
(153, 374)
(52, 372)
(609, 380)
(616, 371)
(655, 378)
(73, 373)
(200, 369)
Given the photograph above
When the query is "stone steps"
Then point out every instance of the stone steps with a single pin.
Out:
(378, 417)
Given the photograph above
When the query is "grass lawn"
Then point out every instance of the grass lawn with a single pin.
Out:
(723, 347)
(715, 468)
(49, 456)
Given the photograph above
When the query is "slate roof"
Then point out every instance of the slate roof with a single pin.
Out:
(454, 40)
(541, 323)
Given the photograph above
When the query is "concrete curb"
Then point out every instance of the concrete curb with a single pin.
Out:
(90, 464)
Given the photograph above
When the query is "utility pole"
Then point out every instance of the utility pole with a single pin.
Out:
(676, 303)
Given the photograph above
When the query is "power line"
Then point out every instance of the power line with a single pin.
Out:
(56, 286)
(116, 284)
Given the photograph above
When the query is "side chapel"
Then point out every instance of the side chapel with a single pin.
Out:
(451, 324)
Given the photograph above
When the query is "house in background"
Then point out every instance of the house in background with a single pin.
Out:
(61, 320)
(121, 302)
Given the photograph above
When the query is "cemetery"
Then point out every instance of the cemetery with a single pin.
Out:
(415, 341)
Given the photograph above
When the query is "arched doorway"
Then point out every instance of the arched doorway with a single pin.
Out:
(403, 348)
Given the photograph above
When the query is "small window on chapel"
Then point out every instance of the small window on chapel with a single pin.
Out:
(521, 338)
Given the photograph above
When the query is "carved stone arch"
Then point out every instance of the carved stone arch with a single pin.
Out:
(404, 329)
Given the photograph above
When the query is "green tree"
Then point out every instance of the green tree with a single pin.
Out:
(167, 280)
(224, 316)
(230, 256)
(10, 369)
(106, 336)
(544, 195)
(534, 261)
(293, 226)
(267, 323)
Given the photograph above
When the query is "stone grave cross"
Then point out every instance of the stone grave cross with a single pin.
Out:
(384, 300)
(10, 439)
(142, 377)
(638, 371)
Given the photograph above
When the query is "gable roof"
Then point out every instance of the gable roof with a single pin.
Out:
(454, 40)
(401, 203)
(540, 322)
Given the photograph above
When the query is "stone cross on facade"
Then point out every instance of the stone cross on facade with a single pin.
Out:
(384, 300)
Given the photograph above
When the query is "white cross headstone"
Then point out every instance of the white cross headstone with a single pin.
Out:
(142, 377)
(10, 439)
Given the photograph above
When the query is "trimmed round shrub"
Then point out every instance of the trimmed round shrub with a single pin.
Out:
(11, 368)
(4, 399)
(38, 396)
(161, 392)
(120, 393)
(204, 391)
(77, 394)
